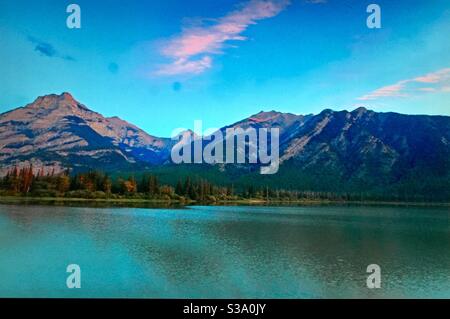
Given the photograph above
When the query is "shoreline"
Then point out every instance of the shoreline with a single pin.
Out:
(133, 202)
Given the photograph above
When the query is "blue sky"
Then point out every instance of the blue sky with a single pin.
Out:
(163, 64)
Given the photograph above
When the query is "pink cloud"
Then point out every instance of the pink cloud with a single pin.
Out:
(182, 65)
(434, 77)
(427, 89)
(436, 82)
(394, 90)
(191, 51)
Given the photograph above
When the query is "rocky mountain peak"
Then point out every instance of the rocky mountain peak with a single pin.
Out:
(264, 116)
(360, 109)
(326, 112)
(55, 98)
(66, 95)
(58, 126)
(63, 103)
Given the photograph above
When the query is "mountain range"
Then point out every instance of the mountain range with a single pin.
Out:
(361, 150)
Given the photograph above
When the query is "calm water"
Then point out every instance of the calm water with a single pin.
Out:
(229, 252)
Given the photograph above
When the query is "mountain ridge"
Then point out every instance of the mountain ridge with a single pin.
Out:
(362, 148)
(60, 119)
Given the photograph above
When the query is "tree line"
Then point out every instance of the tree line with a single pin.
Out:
(27, 181)
(97, 184)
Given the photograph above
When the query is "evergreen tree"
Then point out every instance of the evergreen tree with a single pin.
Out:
(179, 188)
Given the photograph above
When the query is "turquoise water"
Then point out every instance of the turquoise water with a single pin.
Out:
(225, 252)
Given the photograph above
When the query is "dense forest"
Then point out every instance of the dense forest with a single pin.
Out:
(28, 181)
(95, 184)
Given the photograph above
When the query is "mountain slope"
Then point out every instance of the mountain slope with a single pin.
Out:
(334, 151)
(358, 151)
(57, 131)
(364, 143)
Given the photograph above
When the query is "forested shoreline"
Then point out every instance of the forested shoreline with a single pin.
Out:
(37, 183)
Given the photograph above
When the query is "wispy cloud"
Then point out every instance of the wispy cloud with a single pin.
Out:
(435, 77)
(48, 50)
(185, 65)
(192, 51)
(435, 82)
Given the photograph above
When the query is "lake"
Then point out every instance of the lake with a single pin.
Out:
(225, 251)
